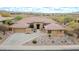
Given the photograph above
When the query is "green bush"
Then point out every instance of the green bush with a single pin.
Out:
(34, 41)
(49, 35)
(18, 17)
(72, 24)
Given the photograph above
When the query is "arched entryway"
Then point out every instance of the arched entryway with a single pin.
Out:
(38, 26)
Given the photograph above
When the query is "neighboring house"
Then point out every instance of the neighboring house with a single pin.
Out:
(31, 24)
(76, 20)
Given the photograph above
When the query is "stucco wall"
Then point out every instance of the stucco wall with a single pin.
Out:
(56, 33)
(22, 30)
(19, 30)
(28, 30)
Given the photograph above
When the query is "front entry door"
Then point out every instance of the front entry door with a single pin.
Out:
(38, 26)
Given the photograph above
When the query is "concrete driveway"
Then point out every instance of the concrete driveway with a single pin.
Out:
(19, 38)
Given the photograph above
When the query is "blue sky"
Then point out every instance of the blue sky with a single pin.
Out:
(42, 9)
(42, 6)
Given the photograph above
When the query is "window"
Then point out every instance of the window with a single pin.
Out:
(31, 26)
(38, 26)
(60, 30)
(78, 21)
(49, 31)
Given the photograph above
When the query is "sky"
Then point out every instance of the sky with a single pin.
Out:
(42, 9)
(39, 5)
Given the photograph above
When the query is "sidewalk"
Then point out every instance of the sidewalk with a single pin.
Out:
(53, 47)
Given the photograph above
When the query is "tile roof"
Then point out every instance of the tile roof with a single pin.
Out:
(36, 19)
(19, 25)
(54, 26)
(24, 23)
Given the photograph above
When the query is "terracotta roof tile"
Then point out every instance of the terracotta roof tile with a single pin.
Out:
(36, 19)
(54, 26)
(18, 25)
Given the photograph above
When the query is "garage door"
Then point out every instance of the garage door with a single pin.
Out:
(19, 30)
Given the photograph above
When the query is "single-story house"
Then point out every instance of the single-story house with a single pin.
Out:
(76, 20)
(30, 24)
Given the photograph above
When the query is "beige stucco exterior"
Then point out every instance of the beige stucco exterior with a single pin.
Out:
(28, 30)
(22, 30)
(19, 30)
(76, 20)
(56, 33)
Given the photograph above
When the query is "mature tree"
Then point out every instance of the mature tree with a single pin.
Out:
(4, 28)
(8, 22)
(64, 19)
(73, 28)
(61, 19)
(68, 19)
(72, 24)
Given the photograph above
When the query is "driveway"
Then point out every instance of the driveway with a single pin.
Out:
(19, 38)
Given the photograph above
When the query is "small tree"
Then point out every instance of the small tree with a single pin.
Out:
(18, 18)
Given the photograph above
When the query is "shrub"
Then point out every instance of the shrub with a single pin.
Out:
(34, 41)
(49, 35)
(0, 38)
(8, 22)
(3, 28)
(18, 17)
